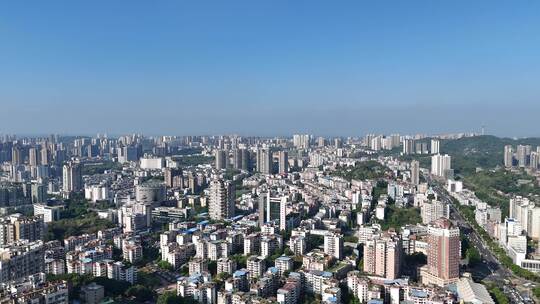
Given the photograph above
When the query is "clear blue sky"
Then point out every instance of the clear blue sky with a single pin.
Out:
(269, 67)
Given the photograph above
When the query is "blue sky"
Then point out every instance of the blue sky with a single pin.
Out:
(269, 67)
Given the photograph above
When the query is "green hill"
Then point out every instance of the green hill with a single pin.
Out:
(485, 151)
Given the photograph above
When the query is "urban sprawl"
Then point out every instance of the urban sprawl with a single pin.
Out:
(376, 219)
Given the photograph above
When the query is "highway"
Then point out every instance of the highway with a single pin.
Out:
(497, 273)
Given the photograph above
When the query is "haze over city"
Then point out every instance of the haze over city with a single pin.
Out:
(269, 68)
(269, 152)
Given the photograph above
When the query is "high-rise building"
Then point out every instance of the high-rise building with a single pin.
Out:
(367, 140)
(522, 155)
(508, 156)
(383, 254)
(527, 213)
(298, 244)
(129, 153)
(418, 147)
(222, 198)
(193, 182)
(272, 208)
(408, 146)
(441, 164)
(415, 172)
(21, 260)
(173, 177)
(221, 159)
(376, 143)
(59, 156)
(39, 193)
(45, 158)
(333, 245)
(264, 161)
(435, 146)
(269, 244)
(256, 266)
(424, 148)
(16, 155)
(534, 160)
(283, 162)
(237, 159)
(72, 177)
(386, 143)
(395, 139)
(262, 208)
(301, 141)
(443, 254)
(21, 228)
(246, 159)
(321, 142)
(33, 159)
(226, 265)
(28, 228)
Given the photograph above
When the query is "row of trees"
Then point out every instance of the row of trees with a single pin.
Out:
(468, 213)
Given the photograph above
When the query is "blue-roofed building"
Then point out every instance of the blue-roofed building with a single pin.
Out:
(331, 295)
(239, 281)
(273, 271)
(237, 218)
(268, 284)
(192, 230)
(240, 273)
(198, 287)
(331, 300)
(202, 224)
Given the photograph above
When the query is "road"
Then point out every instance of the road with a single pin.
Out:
(497, 273)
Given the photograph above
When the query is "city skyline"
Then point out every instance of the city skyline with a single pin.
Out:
(224, 68)
(269, 152)
(218, 218)
(313, 136)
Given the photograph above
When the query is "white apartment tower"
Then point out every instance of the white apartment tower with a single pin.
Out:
(508, 156)
(333, 245)
(72, 177)
(440, 164)
(435, 146)
(301, 141)
(222, 197)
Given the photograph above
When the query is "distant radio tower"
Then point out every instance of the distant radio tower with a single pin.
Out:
(483, 129)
